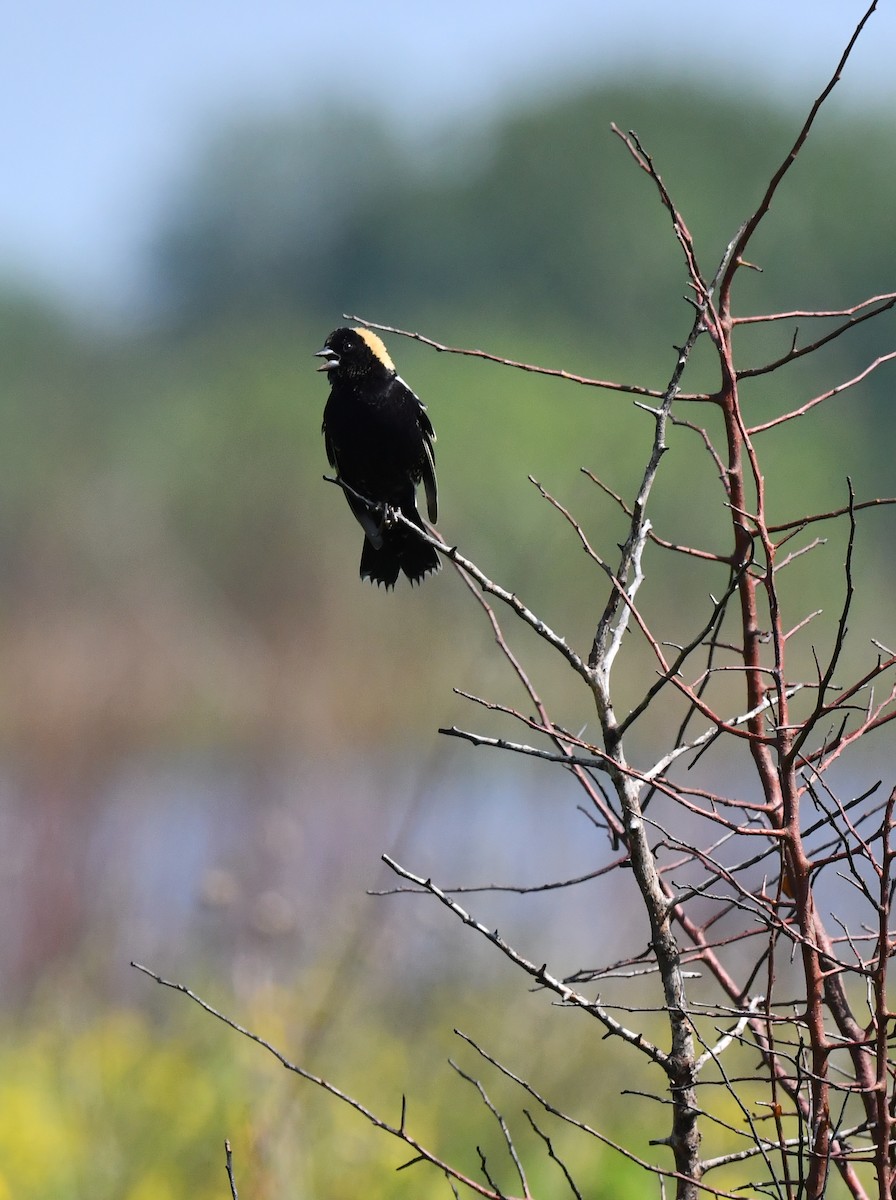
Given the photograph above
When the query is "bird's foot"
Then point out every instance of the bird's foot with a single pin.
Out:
(389, 516)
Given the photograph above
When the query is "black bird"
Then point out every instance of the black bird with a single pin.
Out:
(379, 439)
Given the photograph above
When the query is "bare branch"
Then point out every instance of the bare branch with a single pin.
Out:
(540, 974)
(886, 300)
(765, 203)
(549, 1146)
(231, 1179)
(585, 1128)
(831, 392)
(795, 353)
(551, 372)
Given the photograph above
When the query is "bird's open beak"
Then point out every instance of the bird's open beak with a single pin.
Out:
(332, 359)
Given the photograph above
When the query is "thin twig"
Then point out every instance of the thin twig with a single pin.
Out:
(541, 975)
(230, 1175)
(551, 372)
(422, 1154)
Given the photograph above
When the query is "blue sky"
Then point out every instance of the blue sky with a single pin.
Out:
(105, 102)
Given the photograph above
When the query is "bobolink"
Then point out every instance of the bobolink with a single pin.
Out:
(379, 439)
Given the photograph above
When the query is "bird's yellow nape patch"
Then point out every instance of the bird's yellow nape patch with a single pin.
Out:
(376, 345)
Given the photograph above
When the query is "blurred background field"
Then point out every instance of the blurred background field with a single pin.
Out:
(210, 730)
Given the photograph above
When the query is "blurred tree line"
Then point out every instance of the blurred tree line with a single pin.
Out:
(537, 216)
(178, 580)
(532, 236)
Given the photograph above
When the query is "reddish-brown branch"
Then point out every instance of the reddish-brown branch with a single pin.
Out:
(765, 203)
(811, 347)
(706, 555)
(816, 400)
(881, 1016)
(803, 522)
(608, 385)
(773, 757)
(826, 756)
(799, 314)
(682, 233)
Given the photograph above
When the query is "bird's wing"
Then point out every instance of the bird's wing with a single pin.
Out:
(367, 518)
(430, 485)
(328, 443)
(429, 482)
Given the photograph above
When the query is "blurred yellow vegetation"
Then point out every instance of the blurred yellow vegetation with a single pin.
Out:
(109, 1108)
(123, 1107)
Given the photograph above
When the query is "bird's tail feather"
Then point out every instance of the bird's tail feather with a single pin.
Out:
(401, 550)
